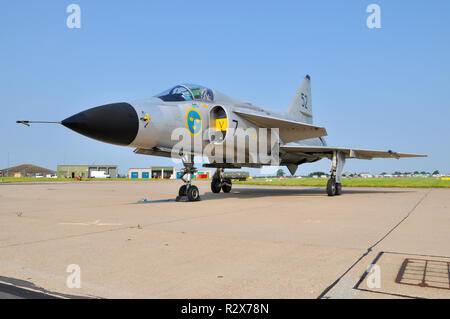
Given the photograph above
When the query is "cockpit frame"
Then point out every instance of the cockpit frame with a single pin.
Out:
(196, 93)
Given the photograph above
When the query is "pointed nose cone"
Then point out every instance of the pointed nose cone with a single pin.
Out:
(116, 123)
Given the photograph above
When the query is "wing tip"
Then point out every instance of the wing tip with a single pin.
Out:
(399, 155)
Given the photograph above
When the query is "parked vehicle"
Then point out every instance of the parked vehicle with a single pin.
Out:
(99, 174)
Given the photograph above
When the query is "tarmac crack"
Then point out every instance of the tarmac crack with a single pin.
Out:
(369, 250)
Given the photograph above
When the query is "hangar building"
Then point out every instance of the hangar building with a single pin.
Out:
(26, 170)
(85, 171)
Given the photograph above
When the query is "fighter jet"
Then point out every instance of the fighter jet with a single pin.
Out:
(215, 121)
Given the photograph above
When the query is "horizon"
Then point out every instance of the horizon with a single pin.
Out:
(287, 175)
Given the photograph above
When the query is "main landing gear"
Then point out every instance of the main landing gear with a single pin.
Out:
(219, 182)
(334, 186)
(188, 192)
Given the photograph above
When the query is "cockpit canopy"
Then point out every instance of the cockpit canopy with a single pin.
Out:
(187, 92)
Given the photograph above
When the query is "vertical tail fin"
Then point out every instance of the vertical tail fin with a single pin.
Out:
(301, 105)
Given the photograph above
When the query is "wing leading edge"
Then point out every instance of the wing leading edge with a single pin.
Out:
(326, 151)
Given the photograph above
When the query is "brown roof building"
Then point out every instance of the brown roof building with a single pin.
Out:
(25, 170)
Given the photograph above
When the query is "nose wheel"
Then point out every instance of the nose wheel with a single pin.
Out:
(192, 193)
(182, 191)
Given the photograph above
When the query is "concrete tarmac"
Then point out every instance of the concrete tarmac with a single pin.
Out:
(255, 242)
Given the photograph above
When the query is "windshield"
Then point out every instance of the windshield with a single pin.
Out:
(187, 92)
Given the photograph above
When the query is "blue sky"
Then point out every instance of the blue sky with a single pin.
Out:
(385, 88)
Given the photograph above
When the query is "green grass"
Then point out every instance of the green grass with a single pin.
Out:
(425, 182)
(421, 182)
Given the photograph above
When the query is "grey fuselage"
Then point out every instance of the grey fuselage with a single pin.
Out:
(165, 117)
(149, 125)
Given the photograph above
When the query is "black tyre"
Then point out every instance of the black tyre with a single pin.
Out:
(338, 189)
(215, 185)
(226, 187)
(331, 187)
(182, 191)
(192, 193)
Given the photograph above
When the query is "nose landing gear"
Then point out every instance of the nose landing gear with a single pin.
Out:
(188, 192)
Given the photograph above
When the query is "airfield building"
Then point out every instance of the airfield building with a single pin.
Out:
(86, 171)
(26, 170)
(200, 174)
(159, 172)
(163, 172)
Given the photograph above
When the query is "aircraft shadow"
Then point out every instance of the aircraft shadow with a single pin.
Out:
(245, 193)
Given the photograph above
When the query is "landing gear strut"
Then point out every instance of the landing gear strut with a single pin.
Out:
(188, 192)
(219, 182)
(334, 186)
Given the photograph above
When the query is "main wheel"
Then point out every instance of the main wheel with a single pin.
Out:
(331, 187)
(192, 193)
(226, 187)
(215, 185)
(338, 189)
(182, 191)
